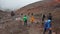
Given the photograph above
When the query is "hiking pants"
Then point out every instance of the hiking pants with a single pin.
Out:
(25, 23)
(50, 32)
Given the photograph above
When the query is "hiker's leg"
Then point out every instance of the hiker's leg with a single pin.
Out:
(26, 23)
(44, 31)
(42, 21)
(32, 21)
(50, 31)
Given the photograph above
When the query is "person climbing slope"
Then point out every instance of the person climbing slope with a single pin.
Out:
(47, 26)
(25, 20)
(43, 18)
(32, 19)
(49, 16)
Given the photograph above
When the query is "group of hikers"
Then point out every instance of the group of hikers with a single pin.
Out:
(32, 19)
(46, 21)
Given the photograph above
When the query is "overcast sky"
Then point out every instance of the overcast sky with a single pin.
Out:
(14, 4)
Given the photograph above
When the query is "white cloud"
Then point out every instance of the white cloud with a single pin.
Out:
(13, 4)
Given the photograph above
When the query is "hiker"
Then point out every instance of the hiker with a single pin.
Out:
(32, 19)
(12, 13)
(49, 16)
(25, 20)
(47, 26)
(43, 17)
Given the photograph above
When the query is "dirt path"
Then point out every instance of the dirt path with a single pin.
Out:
(35, 29)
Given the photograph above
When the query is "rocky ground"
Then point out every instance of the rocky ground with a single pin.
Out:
(10, 25)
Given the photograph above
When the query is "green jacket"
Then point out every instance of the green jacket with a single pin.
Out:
(24, 18)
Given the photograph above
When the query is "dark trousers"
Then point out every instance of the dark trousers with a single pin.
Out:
(42, 21)
(25, 23)
(50, 32)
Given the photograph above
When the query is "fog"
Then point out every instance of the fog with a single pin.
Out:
(15, 4)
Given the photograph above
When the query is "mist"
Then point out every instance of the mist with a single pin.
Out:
(15, 4)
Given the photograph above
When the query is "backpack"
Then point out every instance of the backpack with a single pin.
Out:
(47, 24)
(25, 18)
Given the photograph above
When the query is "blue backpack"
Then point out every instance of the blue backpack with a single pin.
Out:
(47, 24)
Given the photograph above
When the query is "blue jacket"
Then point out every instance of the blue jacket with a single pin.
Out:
(47, 24)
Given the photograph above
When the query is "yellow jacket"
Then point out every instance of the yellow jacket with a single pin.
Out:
(32, 19)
